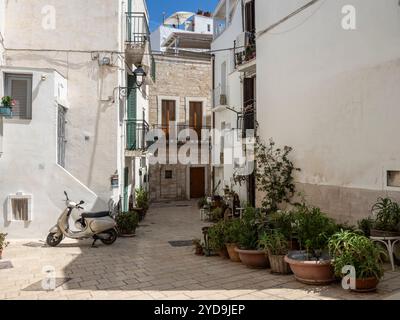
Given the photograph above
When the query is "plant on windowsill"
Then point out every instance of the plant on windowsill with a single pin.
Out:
(386, 214)
(6, 105)
(248, 246)
(349, 248)
(127, 222)
(3, 243)
(313, 228)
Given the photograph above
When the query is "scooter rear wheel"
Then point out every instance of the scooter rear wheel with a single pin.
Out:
(53, 240)
(113, 235)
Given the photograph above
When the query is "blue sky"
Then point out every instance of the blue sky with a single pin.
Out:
(157, 7)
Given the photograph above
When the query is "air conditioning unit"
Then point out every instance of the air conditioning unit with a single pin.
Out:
(243, 41)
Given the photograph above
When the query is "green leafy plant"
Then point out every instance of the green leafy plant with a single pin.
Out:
(127, 222)
(8, 102)
(142, 199)
(232, 232)
(283, 222)
(274, 173)
(216, 236)
(3, 243)
(217, 214)
(202, 203)
(313, 229)
(274, 242)
(251, 225)
(349, 248)
(365, 225)
(387, 213)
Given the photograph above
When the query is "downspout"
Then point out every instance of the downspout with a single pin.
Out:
(213, 117)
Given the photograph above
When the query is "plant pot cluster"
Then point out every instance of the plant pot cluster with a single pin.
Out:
(127, 223)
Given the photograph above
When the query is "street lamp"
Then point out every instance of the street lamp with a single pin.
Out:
(140, 75)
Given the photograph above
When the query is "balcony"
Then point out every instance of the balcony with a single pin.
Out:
(135, 133)
(247, 119)
(137, 37)
(245, 52)
(172, 132)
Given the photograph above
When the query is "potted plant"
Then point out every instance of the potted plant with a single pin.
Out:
(232, 233)
(387, 218)
(312, 265)
(127, 222)
(216, 239)
(6, 106)
(198, 247)
(283, 222)
(349, 248)
(202, 203)
(365, 225)
(248, 248)
(142, 202)
(217, 214)
(277, 247)
(3, 243)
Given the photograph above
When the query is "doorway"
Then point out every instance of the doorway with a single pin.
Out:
(197, 183)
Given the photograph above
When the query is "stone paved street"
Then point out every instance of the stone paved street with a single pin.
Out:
(148, 267)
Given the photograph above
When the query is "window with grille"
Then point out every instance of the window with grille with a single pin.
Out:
(19, 87)
(19, 208)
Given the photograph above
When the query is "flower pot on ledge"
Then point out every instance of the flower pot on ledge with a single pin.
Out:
(6, 112)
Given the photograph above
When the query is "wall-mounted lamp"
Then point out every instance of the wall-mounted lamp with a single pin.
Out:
(140, 76)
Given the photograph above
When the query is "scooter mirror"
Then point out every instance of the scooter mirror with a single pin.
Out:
(82, 202)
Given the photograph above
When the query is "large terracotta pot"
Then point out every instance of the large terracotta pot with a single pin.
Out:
(310, 272)
(278, 264)
(233, 255)
(366, 285)
(253, 258)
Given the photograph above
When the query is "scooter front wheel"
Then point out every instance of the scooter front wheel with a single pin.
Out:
(54, 239)
(113, 235)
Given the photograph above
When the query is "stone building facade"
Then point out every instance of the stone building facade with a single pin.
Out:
(182, 86)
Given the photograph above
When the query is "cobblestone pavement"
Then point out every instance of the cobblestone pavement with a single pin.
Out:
(148, 267)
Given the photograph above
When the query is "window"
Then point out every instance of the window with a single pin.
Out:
(19, 207)
(209, 27)
(168, 174)
(19, 87)
(393, 179)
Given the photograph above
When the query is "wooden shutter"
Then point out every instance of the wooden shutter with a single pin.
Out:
(168, 115)
(19, 87)
(196, 117)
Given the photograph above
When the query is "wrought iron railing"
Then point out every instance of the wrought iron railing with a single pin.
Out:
(136, 131)
(245, 54)
(137, 28)
(172, 132)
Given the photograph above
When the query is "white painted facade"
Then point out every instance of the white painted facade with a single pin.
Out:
(332, 94)
(67, 73)
(197, 24)
(228, 82)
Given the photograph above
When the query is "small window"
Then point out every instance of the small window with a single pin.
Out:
(19, 208)
(19, 87)
(209, 27)
(168, 174)
(393, 179)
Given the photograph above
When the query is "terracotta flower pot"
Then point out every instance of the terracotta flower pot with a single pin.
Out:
(233, 255)
(366, 285)
(253, 258)
(310, 272)
(278, 264)
(224, 253)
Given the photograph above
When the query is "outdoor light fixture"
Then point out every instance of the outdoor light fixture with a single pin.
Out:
(140, 75)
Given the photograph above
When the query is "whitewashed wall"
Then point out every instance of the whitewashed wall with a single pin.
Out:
(333, 95)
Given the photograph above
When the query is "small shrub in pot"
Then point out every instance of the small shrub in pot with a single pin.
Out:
(127, 223)
(276, 246)
(216, 239)
(387, 218)
(232, 234)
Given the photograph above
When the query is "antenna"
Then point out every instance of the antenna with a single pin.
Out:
(163, 19)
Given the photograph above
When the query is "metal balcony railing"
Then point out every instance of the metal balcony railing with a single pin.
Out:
(172, 132)
(136, 131)
(247, 119)
(137, 28)
(247, 53)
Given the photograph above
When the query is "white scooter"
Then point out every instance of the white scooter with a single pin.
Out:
(99, 226)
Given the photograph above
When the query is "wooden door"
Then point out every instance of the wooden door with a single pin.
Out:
(196, 117)
(168, 115)
(197, 183)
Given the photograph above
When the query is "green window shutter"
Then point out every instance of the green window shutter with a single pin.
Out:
(131, 113)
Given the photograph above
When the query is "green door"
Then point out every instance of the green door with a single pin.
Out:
(131, 113)
(126, 189)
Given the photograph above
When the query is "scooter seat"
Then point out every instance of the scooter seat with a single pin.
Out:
(92, 215)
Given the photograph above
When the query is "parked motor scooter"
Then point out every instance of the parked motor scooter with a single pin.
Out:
(98, 225)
